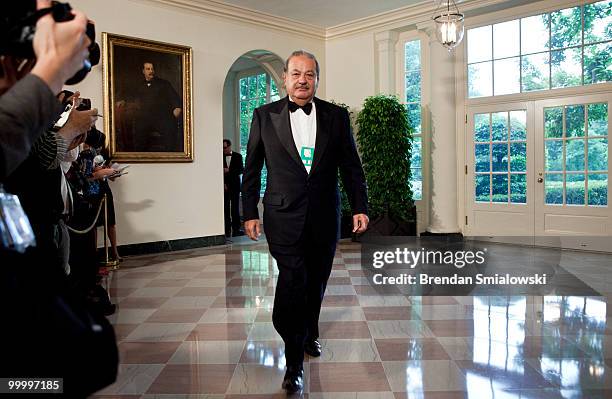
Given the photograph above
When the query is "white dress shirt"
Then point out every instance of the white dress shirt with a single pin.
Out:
(304, 130)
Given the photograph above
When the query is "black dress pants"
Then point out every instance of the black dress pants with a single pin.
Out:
(232, 211)
(302, 279)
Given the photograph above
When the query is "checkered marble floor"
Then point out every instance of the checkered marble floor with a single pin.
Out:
(197, 324)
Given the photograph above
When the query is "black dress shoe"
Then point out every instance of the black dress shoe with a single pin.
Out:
(294, 379)
(313, 348)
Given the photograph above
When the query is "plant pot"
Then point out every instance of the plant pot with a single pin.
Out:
(386, 225)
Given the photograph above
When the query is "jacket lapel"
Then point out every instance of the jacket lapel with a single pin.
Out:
(323, 122)
(281, 124)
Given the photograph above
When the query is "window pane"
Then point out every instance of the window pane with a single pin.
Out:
(574, 155)
(261, 85)
(414, 117)
(252, 86)
(413, 55)
(535, 72)
(416, 182)
(598, 154)
(415, 159)
(506, 39)
(481, 155)
(574, 189)
(507, 76)
(413, 87)
(273, 87)
(598, 119)
(598, 189)
(244, 86)
(518, 125)
(553, 122)
(500, 188)
(566, 28)
(480, 79)
(598, 21)
(518, 189)
(479, 44)
(482, 187)
(499, 157)
(598, 63)
(566, 68)
(574, 121)
(481, 128)
(518, 157)
(553, 155)
(499, 126)
(534, 34)
(553, 189)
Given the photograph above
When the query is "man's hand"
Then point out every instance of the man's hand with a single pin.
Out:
(360, 223)
(176, 112)
(60, 48)
(78, 123)
(252, 229)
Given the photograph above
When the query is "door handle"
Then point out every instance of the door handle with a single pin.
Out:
(540, 180)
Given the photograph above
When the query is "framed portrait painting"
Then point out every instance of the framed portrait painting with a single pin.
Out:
(147, 100)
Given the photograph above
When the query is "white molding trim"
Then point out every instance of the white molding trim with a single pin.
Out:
(394, 19)
(245, 15)
(401, 17)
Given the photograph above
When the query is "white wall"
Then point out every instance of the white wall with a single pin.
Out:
(168, 201)
(350, 69)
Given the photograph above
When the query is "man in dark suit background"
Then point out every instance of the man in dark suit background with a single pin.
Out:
(303, 141)
(232, 169)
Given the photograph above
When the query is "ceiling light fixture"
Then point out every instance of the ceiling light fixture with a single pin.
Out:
(449, 24)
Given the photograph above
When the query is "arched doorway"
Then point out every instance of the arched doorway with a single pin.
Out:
(253, 80)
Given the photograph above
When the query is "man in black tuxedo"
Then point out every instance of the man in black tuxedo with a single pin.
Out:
(303, 141)
(232, 169)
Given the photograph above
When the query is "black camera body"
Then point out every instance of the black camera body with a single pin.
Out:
(18, 26)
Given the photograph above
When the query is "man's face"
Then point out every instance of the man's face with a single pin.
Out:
(148, 71)
(227, 149)
(301, 79)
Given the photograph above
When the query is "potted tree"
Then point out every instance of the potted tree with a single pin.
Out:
(385, 139)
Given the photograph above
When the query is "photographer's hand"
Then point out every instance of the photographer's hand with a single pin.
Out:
(60, 48)
(78, 123)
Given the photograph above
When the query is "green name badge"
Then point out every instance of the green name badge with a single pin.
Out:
(307, 154)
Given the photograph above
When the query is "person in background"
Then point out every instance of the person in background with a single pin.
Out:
(232, 169)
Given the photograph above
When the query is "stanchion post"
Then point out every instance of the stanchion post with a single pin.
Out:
(113, 264)
(105, 228)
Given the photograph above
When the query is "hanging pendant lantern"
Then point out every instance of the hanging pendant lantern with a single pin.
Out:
(449, 24)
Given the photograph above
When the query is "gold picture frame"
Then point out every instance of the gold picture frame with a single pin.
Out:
(147, 99)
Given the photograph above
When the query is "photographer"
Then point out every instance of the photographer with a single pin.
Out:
(28, 104)
(77, 346)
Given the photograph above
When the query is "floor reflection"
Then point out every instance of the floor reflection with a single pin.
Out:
(207, 313)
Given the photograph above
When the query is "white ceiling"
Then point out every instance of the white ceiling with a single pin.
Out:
(323, 13)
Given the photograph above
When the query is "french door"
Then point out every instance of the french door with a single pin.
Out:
(537, 172)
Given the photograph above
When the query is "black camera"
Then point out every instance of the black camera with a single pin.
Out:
(85, 105)
(18, 25)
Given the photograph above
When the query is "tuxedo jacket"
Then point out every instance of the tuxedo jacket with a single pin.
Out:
(293, 195)
(232, 178)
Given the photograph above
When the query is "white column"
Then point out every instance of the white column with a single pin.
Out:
(386, 42)
(443, 196)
